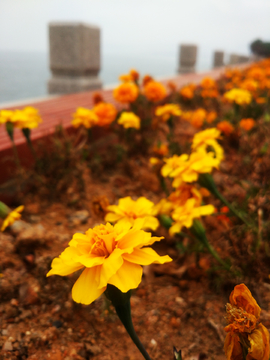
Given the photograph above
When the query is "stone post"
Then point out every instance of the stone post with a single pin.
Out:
(234, 59)
(74, 57)
(187, 58)
(218, 59)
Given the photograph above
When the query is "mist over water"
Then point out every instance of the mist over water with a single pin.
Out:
(24, 75)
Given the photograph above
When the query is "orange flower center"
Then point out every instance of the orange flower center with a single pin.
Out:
(239, 320)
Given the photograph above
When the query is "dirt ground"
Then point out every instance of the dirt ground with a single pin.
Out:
(179, 304)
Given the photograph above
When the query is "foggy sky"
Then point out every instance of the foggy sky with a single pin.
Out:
(140, 26)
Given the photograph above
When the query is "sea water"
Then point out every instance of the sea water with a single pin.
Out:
(24, 75)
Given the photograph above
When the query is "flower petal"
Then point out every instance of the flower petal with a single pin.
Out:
(110, 266)
(145, 256)
(127, 277)
(85, 289)
(59, 267)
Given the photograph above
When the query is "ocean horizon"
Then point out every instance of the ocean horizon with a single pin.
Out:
(24, 75)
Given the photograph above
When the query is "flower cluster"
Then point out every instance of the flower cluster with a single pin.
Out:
(27, 118)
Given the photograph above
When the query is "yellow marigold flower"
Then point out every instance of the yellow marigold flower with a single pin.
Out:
(247, 124)
(187, 91)
(109, 255)
(206, 138)
(129, 210)
(164, 207)
(168, 110)
(129, 120)
(225, 127)
(244, 329)
(5, 116)
(85, 117)
(126, 92)
(26, 118)
(210, 117)
(184, 215)
(197, 118)
(105, 112)
(12, 216)
(199, 162)
(239, 96)
(173, 163)
(154, 91)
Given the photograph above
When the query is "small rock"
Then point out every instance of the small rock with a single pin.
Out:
(79, 217)
(93, 349)
(57, 324)
(28, 293)
(4, 332)
(19, 226)
(7, 346)
(153, 343)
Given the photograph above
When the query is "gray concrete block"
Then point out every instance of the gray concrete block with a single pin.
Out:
(187, 58)
(218, 60)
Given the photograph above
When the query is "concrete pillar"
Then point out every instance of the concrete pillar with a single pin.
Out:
(218, 59)
(74, 57)
(234, 59)
(243, 59)
(187, 58)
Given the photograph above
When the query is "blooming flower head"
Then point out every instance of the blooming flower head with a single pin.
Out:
(126, 92)
(129, 120)
(206, 138)
(249, 84)
(168, 110)
(247, 124)
(154, 91)
(244, 329)
(184, 215)
(109, 255)
(5, 116)
(187, 92)
(161, 149)
(199, 162)
(129, 210)
(211, 116)
(197, 118)
(12, 217)
(26, 118)
(208, 83)
(85, 117)
(184, 192)
(239, 96)
(225, 127)
(105, 112)
(173, 163)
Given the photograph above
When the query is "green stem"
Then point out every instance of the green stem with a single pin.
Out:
(206, 180)
(26, 133)
(4, 210)
(121, 303)
(199, 231)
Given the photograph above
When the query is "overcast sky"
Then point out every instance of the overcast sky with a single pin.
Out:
(139, 26)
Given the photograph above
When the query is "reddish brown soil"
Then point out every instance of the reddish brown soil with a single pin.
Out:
(179, 304)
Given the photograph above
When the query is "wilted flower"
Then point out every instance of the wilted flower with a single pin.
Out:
(126, 92)
(12, 217)
(184, 215)
(247, 124)
(105, 112)
(154, 91)
(26, 118)
(239, 96)
(85, 117)
(129, 210)
(109, 255)
(129, 120)
(168, 110)
(245, 333)
(206, 138)
(225, 127)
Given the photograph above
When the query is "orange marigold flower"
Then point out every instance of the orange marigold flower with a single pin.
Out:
(126, 92)
(154, 91)
(211, 116)
(161, 149)
(247, 124)
(209, 93)
(225, 127)
(198, 118)
(105, 112)
(183, 193)
(249, 84)
(187, 91)
(97, 98)
(261, 100)
(134, 75)
(146, 79)
(208, 83)
(245, 333)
